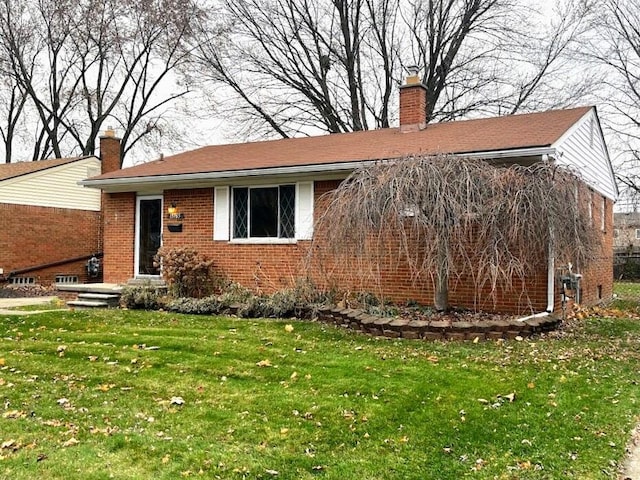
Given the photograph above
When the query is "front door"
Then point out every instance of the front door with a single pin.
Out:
(149, 235)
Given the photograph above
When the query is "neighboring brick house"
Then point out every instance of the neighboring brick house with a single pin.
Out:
(251, 207)
(50, 226)
(626, 233)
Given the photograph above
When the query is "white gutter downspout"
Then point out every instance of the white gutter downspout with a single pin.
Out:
(551, 279)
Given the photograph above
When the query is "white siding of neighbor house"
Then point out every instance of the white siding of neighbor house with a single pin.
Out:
(55, 187)
(583, 149)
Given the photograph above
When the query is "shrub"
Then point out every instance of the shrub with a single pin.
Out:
(235, 293)
(142, 297)
(187, 272)
(202, 306)
(284, 303)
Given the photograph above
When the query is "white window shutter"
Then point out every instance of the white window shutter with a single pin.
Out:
(304, 210)
(221, 212)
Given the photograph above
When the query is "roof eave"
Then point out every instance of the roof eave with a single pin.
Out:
(141, 182)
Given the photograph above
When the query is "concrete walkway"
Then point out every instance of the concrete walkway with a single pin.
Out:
(7, 303)
(631, 465)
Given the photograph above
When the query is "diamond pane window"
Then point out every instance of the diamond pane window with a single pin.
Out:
(264, 212)
(240, 212)
(287, 211)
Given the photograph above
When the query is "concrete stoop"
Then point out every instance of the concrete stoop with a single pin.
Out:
(95, 300)
(95, 295)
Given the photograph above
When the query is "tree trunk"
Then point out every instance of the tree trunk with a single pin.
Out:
(441, 293)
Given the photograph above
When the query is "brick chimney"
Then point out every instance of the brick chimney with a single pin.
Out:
(413, 103)
(110, 151)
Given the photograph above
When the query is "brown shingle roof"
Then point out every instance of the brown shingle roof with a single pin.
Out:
(468, 136)
(12, 170)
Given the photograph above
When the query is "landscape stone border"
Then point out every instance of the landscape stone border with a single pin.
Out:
(359, 320)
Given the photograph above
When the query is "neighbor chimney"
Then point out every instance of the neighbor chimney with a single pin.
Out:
(110, 151)
(413, 103)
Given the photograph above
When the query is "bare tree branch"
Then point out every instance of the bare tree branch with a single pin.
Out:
(449, 219)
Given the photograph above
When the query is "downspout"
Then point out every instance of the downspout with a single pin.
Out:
(551, 279)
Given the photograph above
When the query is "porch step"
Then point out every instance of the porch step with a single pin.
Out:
(87, 304)
(93, 295)
(111, 299)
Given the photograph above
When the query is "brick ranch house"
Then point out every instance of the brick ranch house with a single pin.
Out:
(251, 207)
(50, 226)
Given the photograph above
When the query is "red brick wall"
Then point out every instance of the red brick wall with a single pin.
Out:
(413, 107)
(119, 236)
(32, 236)
(268, 267)
(597, 284)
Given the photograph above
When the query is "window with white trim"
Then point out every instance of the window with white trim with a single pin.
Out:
(264, 212)
(637, 233)
(603, 211)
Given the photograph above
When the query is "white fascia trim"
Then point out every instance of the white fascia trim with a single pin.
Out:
(229, 174)
(298, 169)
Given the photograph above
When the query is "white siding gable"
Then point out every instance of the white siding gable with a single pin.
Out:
(55, 187)
(583, 149)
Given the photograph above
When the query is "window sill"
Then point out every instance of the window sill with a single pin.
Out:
(263, 241)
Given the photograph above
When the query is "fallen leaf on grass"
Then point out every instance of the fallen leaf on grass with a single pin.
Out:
(10, 445)
(72, 442)
(13, 414)
(264, 363)
(288, 328)
(272, 472)
(166, 459)
(177, 401)
(2, 362)
(105, 387)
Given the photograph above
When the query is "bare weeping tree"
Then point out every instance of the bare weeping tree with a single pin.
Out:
(292, 66)
(447, 217)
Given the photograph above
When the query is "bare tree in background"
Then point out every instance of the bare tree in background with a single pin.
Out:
(335, 65)
(82, 64)
(615, 47)
(12, 103)
(446, 217)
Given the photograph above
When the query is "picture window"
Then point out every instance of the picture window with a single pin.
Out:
(264, 212)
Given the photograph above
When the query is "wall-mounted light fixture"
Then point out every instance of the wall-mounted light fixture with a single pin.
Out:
(173, 212)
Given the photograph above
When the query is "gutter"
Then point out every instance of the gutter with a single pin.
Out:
(297, 169)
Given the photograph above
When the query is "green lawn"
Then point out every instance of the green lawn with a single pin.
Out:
(126, 394)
